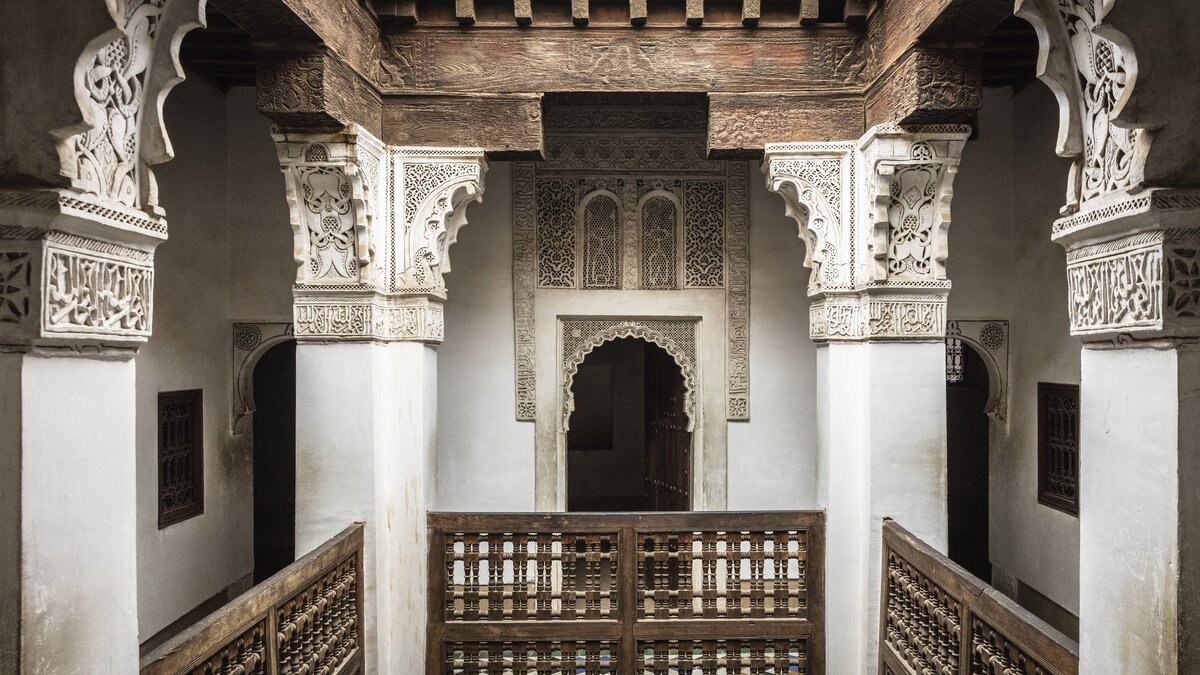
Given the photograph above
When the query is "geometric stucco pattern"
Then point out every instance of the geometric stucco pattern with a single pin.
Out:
(631, 213)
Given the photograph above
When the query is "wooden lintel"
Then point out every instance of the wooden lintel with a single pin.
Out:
(344, 27)
(506, 126)
(580, 12)
(523, 12)
(637, 12)
(314, 89)
(854, 11)
(464, 10)
(751, 12)
(810, 11)
(927, 85)
(740, 125)
(615, 59)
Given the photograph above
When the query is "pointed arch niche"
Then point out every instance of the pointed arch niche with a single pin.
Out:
(679, 338)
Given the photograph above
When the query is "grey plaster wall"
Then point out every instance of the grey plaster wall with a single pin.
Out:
(1004, 266)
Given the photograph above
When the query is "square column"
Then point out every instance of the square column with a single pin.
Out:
(874, 216)
(373, 225)
(1134, 285)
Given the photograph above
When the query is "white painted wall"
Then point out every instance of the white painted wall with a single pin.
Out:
(185, 564)
(486, 457)
(1004, 266)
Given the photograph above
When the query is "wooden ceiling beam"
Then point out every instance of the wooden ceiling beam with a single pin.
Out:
(854, 11)
(464, 10)
(741, 125)
(751, 12)
(810, 11)
(507, 126)
(637, 12)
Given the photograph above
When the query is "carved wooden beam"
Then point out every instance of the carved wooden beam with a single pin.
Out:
(896, 25)
(618, 59)
(345, 27)
(927, 86)
(741, 125)
(507, 126)
(315, 90)
(810, 11)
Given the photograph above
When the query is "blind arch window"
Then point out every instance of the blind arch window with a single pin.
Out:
(660, 233)
(601, 241)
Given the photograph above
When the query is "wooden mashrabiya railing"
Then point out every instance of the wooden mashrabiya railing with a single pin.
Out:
(939, 619)
(608, 594)
(305, 620)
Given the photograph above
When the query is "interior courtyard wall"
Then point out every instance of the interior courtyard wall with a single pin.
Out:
(183, 565)
(1004, 266)
(486, 457)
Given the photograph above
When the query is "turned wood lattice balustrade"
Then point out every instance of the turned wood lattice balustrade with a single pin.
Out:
(305, 620)
(608, 594)
(938, 619)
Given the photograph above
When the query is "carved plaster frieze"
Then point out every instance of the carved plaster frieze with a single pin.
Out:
(120, 81)
(1145, 285)
(581, 337)
(990, 339)
(878, 318)
(249, 341)
(367, 317)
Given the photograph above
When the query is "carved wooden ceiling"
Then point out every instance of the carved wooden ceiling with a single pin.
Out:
(473, 72)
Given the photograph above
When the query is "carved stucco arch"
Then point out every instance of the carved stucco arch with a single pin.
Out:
(981, 336)
(250, 341)
(439, 214)
(631, 329)
(820, 226)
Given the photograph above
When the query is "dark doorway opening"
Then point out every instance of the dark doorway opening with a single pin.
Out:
(274, 460)
(628, 445)
(967, 444)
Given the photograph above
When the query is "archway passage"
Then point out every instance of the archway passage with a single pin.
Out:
(274, 460)
(967, 445)
(628, 444)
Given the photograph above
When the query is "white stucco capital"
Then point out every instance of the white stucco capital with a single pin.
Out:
(77, 250)
(372, 227)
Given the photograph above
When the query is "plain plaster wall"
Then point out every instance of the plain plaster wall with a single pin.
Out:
(1004, 266)
(486, 457)
(186, 563)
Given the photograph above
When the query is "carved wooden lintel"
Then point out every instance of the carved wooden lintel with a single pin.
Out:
(927, 86)
(313, 89)
(504, 126)
(741, 125)
(439, 60)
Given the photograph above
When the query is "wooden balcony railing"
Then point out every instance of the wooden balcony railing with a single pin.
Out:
(646, 593)
(304, 620)
(939, 619)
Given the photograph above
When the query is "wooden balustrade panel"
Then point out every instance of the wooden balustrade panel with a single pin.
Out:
(696, 593)
(939, 619)
(305, 620)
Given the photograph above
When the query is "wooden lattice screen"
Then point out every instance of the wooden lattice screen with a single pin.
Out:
(938, 618)
(608, 594)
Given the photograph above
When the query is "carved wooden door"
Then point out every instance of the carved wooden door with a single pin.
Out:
(668, 441)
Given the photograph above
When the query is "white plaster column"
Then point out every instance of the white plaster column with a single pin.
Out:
(79, 223)
(373, 226)
(1131, 227)
(1135, 302)
(874, 216)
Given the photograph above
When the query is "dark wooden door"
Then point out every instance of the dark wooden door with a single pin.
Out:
(668, 441)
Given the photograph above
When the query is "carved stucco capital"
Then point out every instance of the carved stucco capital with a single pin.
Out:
(875, 217)
(372, 228)
(1092, 69)
(76, 261)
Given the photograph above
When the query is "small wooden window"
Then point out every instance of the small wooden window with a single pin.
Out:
(180, 456)
(1058, 446)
